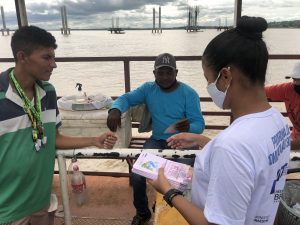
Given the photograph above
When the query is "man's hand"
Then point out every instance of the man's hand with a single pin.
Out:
(106, 140)
(114, 119)
(183, 125)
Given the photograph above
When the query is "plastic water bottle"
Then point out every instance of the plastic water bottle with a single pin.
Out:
(78, 185)
(70, 170)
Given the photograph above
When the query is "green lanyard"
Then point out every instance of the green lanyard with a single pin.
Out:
(34, 113)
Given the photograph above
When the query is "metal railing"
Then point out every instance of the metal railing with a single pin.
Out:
(127, 59)
(127, 80)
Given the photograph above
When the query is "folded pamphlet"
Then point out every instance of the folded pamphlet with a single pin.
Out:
(178, 174)
(172, 128)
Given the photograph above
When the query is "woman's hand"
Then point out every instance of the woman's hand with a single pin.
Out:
(161, 184)
(182, 141)
(187, 140)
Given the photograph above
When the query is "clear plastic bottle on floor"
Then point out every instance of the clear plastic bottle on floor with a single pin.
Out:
(70, 171)
(78, 184)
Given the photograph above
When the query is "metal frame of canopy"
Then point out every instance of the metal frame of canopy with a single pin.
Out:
(21, 13)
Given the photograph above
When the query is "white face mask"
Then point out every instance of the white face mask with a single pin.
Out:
(217, 96)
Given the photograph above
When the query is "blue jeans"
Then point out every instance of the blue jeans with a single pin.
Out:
(140, 199)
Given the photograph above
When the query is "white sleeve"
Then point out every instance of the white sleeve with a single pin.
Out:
(230, 187)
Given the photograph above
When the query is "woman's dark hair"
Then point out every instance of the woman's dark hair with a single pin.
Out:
(29, 38)
(242, 47)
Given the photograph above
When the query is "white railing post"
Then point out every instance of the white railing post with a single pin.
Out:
(64, 189)
(126, 153)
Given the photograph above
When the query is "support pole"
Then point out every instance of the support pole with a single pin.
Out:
(153, 29)
(196, 18)
(112, 25)
(219, 28)
(64, 189)
(127, 75)
(21, 13)
(65, 30)
(237, 11)
(62, 20)
(66, 20)
(159, 20)
(189, 20)
(3, 22)
(3, 18)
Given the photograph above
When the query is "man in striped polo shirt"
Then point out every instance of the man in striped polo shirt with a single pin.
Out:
(29, 136)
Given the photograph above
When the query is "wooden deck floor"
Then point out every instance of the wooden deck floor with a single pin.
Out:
(110, 199)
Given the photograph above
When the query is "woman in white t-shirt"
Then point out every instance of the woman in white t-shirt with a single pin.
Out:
(239, 175)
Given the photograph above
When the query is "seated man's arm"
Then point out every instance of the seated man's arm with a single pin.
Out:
(122, 103)
(131, 98)
(295, 145)
(276, 92)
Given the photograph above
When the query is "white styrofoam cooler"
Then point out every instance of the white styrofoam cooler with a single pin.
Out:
(93, 123)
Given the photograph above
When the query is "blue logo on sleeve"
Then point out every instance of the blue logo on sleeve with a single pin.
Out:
(281, 141)
(282, 171)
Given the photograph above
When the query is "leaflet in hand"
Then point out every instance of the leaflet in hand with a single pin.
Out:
(178, 174)
(172, 128)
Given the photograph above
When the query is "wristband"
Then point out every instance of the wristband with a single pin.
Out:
(170, 194)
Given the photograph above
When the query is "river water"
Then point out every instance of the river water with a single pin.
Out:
(108, 78)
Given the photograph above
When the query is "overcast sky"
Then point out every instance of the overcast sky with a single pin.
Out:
(138, 13)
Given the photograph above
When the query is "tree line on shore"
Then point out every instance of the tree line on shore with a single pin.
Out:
(285, 24)
(280, 24)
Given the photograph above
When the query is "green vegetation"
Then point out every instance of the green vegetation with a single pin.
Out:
(285, 24)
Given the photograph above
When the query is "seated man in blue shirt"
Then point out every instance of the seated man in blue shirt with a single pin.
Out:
(168, 101)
